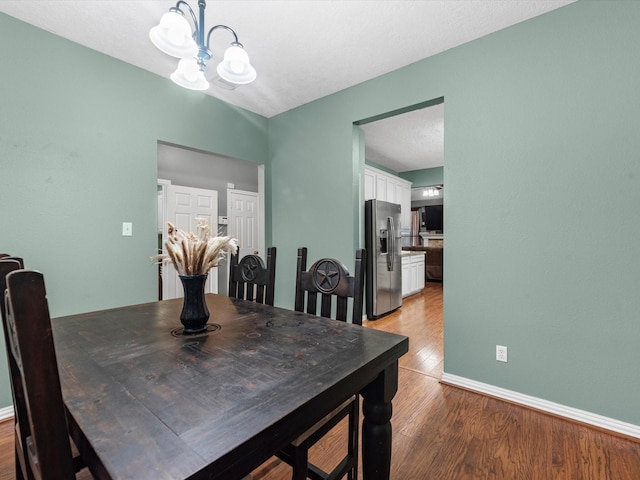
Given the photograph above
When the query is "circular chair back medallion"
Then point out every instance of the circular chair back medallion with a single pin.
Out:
(250, 267)
(326, 275)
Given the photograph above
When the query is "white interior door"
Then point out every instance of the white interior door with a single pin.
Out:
(243, 212)
(183, 206)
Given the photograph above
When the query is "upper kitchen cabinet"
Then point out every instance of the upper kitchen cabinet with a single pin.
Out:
(381, 185)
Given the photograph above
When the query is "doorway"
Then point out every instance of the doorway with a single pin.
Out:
(409, 143)
(180, 206)
(180, 165)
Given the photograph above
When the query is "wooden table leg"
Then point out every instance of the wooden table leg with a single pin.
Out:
(376, 425)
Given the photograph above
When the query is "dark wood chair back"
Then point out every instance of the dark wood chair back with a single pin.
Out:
(251, 279)
(9, 264)
(329, 278)
(43, 433)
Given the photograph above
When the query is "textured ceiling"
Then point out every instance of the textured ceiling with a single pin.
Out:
(302, 49)
(411, 141)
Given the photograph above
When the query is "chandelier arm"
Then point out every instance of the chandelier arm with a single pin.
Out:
(193, 15)
(226, 28)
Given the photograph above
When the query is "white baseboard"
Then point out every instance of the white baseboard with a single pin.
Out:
(582, 416)
(6, 412)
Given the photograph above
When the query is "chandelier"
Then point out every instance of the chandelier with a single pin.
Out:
(175, 37)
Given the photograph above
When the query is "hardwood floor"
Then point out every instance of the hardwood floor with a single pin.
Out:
(443, 433)
(7, 471)
(420, 319)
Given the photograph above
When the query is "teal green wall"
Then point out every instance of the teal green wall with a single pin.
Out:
(542, 169)
(78, 143)
(425, 177)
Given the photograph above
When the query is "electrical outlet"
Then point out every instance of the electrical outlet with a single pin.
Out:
(501, 353)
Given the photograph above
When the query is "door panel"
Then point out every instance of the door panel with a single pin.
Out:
(184, 205)
(243, 221)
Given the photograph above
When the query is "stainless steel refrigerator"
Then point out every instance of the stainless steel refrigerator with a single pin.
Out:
(384, 257)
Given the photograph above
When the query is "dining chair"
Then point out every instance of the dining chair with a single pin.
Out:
(250, 279)
(326, 280)
(7, 265)
(43, 448)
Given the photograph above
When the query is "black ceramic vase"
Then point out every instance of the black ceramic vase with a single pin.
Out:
(195, 313)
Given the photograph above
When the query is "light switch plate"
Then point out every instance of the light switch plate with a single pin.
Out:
(127, 229)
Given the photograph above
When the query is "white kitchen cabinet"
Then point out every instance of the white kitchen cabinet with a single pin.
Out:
(369, 184)
(391, 191)
(389, 188)
(406, 275)
(417, 271)
(381, 187)
(403, 193)
(412, 273)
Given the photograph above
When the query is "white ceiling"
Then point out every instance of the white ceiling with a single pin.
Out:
(411, 141)
(302, 49)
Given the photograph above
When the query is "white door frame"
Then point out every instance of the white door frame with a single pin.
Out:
(261, 211)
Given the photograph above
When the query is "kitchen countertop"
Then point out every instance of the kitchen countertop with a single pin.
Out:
(406, 251)
(417, 248)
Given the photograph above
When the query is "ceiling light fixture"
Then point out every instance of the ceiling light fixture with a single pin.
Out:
(432, 191)
(174, 37)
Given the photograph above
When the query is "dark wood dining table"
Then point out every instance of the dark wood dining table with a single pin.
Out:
(145, 401)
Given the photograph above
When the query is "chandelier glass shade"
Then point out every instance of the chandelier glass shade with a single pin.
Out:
(174, 36)
(189, 75)
(235, 67)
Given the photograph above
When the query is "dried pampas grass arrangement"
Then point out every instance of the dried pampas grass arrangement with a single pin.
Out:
(194, 254)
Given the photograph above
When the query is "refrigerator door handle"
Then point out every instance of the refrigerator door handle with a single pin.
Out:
(391, 239)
